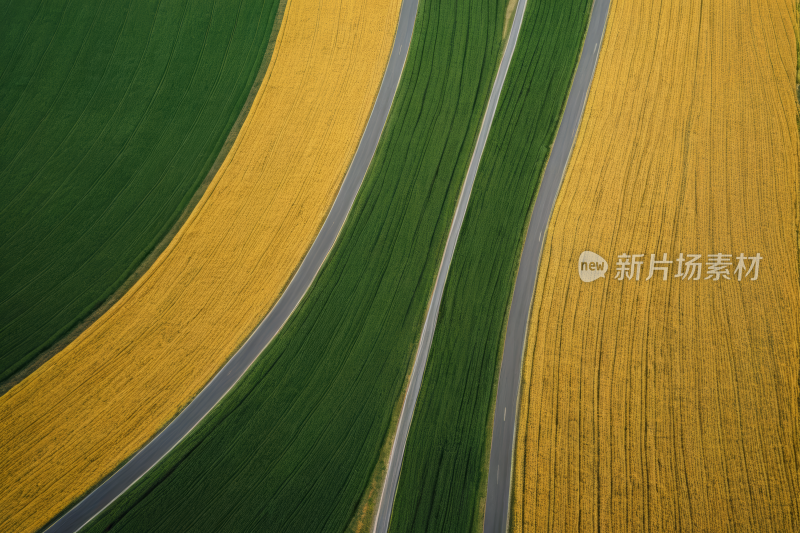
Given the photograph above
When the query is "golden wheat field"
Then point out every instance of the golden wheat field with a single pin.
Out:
(672, 403)
(75, 419)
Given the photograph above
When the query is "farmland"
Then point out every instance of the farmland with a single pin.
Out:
(295, 443)
(671, 403)
(443, 475)
(111, 115)
(135, 367)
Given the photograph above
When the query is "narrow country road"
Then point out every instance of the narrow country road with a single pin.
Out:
(501, 460)
(399, 444)
(227, 377)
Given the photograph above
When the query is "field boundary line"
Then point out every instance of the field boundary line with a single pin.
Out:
(391, 482)
(158, 246)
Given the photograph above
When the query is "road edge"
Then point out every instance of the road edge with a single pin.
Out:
(528, 298)
(391, 482)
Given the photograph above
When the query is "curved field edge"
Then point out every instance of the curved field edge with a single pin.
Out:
(688, 388)
(219, 276)
(159, 246)
(444, 466)
(335, 371)
(104, 242)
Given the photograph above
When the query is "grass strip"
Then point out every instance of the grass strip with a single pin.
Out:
(443, 475)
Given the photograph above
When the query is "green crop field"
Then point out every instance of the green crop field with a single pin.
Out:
(111, 115)
(294, 444)
(443, 471)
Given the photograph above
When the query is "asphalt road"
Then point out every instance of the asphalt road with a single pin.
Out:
(501, 459)
(421, 358)
(227, 377)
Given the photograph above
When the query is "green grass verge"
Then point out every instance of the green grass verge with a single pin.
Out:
(294, 444)
(112, 112)
(443, 466)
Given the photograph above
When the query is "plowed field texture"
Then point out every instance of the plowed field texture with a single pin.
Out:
(443, 477)
(111, 114)
(665, 398)
(75, 419)
(294, 445)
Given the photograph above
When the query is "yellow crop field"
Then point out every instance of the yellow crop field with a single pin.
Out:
(91, 406)
(671, 403)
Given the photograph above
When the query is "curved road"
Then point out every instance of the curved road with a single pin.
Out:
(421, 359)
(501, 460)
(227, 377)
